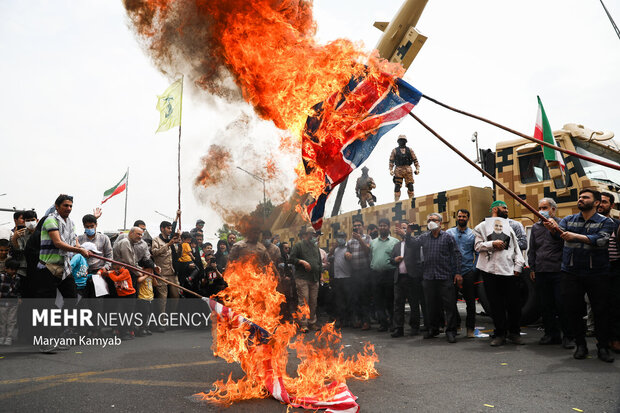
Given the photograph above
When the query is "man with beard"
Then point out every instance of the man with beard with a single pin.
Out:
(167, 295)
(383, 274)
(605, 207)
(502, 212)
(585, 270)
(407, 282)
(465, 239)
(401, 159)
(500, 268)
(306, 257)
(358, 252)
(250, 246)
(545, 260)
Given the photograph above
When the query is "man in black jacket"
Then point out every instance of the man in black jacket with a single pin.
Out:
(407, 282)
(545, 260)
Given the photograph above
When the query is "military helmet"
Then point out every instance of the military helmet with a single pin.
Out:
(364, 169)
(401, 138)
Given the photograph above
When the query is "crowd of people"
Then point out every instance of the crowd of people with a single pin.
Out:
(363, 278)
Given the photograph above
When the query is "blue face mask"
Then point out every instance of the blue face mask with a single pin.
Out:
(89, 231)
(544, 214)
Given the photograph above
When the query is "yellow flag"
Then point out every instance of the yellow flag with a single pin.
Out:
(170, 105)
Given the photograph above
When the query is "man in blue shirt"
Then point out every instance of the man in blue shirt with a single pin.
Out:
(465, 240)
(585, 270)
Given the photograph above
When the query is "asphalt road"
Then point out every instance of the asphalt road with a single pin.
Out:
(161, 373)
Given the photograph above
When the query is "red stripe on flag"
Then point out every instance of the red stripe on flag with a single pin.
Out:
(116, 192)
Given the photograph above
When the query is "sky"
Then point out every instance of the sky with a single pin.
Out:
(80, 95)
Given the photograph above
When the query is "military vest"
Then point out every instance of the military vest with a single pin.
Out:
(401, 159)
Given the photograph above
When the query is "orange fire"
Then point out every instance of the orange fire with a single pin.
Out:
(252, 293)
(269, 49)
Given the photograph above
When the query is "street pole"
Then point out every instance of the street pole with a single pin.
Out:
(126, 193)
(263, 181)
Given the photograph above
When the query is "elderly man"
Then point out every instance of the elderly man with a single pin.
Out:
(500, 264)
(167, 295)
(585, 270)
(442, 265)
(545, 260)
(307, 260)
(383, 274)
(125, 252)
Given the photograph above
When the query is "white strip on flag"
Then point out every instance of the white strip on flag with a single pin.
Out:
(544, 133)
(116, 189)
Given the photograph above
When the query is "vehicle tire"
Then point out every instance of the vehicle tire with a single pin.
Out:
(530, 311)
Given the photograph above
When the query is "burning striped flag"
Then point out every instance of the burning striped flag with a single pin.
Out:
(343, 400)
(116, 189)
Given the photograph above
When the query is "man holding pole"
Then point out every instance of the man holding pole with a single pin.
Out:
(162, 255)
(585, 270)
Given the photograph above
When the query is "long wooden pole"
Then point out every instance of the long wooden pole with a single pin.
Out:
(531, 138)
(485, 173)
(179, 150)
(131, 267)
(126, 195)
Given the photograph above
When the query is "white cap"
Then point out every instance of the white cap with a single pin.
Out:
(91, 247)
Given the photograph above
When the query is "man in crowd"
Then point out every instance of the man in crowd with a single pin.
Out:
(383, 274)
(250, 245)
(146, 237)
(604, 208)
(19, 238)
(342, 283)
(5, 247)
(167, 295)
(407, 282)
(272, 249)
(585, 270)
(230, 240)
(58, 241)
(545, 260)
(101, 241)
(500, 268)
(198, 229)
(442, 264)
(358, 253)
(124, 251)
(373, 231)
(465, 240)
(307, 260)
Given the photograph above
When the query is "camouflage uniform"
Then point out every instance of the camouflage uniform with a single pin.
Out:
(402, 157)
(365, 184)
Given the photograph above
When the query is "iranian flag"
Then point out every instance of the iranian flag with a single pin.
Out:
(543, 132)
(116, 189)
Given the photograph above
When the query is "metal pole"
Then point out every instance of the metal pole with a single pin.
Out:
(485, 173)
(543, 143)
(126, 195)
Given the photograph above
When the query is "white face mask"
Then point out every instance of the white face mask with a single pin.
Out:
(432, 226)
(31, 225)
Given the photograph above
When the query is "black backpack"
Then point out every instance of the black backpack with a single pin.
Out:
(33, 245)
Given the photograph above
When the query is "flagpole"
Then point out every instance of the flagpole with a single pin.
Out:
(179, 150)
(543, 143)
(126, 191)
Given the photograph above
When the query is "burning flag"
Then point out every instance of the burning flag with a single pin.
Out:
(344, 129)
(261, 346)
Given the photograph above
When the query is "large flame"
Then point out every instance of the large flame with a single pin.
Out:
(267, 48)
(252, 293)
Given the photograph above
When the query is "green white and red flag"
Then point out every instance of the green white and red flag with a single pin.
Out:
(544, 133)
(116, 189)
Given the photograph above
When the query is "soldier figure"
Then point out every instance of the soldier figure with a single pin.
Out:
(365, 184)
(402, 157)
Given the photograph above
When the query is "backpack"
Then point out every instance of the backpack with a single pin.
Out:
(33, 245)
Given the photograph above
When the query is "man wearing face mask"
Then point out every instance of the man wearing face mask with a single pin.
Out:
(500, 268)
(442, 265)
(274, 252)
(545, 260)
(101, 241)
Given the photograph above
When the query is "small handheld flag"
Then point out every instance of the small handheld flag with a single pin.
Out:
(544, 133)
(169, 105)
(116, 189)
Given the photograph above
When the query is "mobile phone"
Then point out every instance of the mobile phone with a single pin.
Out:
(20, 227)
